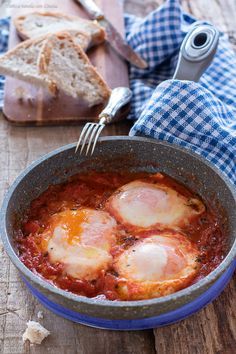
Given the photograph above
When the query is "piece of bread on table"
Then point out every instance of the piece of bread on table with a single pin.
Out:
(36, 24)
(35, 333)
(70, 69)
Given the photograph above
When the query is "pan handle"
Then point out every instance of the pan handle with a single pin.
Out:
(197, 52)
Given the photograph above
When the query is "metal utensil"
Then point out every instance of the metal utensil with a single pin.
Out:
(112, 35)
(120, 96)
(196, 52)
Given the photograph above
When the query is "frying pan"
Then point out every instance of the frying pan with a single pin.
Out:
(126, 154)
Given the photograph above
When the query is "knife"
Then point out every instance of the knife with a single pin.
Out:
(112, 35)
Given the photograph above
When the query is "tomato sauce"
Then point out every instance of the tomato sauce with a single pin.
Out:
(92, 190)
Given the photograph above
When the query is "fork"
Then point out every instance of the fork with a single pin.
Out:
(120, 96)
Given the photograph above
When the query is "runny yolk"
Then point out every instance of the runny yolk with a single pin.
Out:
(72, 222)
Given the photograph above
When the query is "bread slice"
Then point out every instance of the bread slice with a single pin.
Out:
(68, 66)
(36, 24)
(22, 63)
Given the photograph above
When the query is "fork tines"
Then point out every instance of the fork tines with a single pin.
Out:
(89, 135)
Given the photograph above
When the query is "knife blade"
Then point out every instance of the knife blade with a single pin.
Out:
(112, 35)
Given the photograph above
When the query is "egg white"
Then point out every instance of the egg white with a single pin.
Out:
(156, 266)
(144, 205)
(81, 240)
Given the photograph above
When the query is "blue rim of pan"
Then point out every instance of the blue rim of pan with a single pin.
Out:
(144, 323)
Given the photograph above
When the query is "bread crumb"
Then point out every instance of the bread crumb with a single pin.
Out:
(35, 333)
(40, 315)
(20, 93)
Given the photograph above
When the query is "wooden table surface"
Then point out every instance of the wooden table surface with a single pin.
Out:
(212, 330)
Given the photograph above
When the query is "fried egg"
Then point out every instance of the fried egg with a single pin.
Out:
(81, 240)
(144, 205)
(156, 266)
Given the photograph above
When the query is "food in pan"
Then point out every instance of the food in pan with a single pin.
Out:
(159, 263)
(120, 236)
(144, 205)
(82, 240)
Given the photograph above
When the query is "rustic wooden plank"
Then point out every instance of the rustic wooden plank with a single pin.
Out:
(210, 331)
(107, 342)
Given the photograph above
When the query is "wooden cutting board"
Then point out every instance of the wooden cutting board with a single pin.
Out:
(38, 107)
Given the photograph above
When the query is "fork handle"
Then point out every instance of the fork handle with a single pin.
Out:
(120, 97)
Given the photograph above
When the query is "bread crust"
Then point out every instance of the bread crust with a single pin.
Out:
(97, 37)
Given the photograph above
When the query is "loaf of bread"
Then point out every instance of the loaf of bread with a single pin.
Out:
(36, 24)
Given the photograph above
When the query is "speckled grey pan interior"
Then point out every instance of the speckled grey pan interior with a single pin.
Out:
(121, 153)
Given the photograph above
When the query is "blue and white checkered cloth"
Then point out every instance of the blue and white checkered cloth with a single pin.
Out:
(199, 116)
